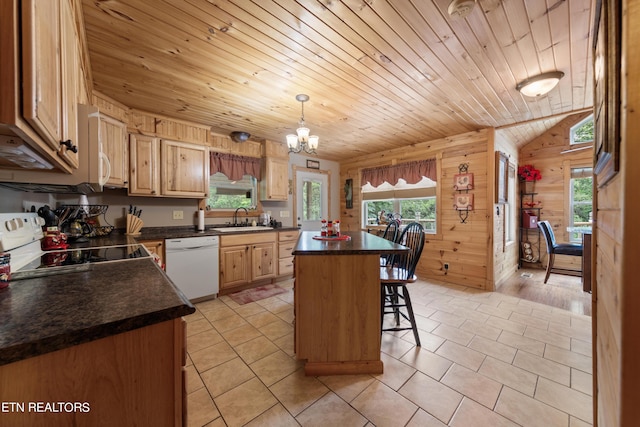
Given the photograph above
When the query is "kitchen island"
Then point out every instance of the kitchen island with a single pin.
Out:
(101, 345)
(337, 303)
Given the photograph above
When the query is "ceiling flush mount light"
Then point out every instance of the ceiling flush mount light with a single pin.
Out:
(539, 85)
(238, 136)
(460, 8)
(302, 141)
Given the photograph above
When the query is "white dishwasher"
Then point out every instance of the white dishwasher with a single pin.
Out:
(192, 264)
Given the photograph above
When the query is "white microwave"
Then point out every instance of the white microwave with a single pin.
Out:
(93, 171)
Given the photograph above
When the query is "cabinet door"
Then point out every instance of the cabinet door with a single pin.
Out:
(275, 180)
(69, 97)
(41, 68)
(263, 261)
(144, 166)
(113, 135)
(185, 169)
(234, 266)
(155, 247)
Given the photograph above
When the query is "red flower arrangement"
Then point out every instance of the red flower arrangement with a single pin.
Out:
(529, 173)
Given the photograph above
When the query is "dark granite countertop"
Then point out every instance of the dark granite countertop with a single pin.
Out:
(361, 243)
(45, 314)
(155, 233)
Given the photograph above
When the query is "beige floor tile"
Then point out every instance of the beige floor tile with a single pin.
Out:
(427, 362)
(471, 413)
(245, 402)
(261, 319)
(394, 346)
(478, 387)
(255, 349)
(492, 311)
(492, 348)
(424, 419)
(569, 358)
(203, 340)
(228, 323)
(274, 367)
(198, 326)
(543, 367)
(330, 410)
(297, 391)
(347, 387)
(200, 408)
(249, 309)
(522, 343)
(564, 398)
(429, 341)
(447, 318)
(481, 329)
(432, 396)
(461, 355)
(226, 376)
(471, 315)
(241, 334)
(454, 334)
(197, 315)
(581, 381)
(530, 320)
(383, 406)
(276, 416)
(285, 344)
(212, 356)
(395, 373)
(274, 304)
(548, 337)
(516, 307)
(218, 313)
(581, 347)
(287, 315)
(575, 422)
(554, 317)
(581, 332)
(509, 375)
(193, 381)
(527, 411)
(218, 422)
(506, 325)
(277, 329)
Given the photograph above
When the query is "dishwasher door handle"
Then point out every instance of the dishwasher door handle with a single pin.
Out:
(190, 248)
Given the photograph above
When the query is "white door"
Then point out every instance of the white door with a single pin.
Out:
(312, 199)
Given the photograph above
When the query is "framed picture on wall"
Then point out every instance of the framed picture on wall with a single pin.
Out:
(463, 202)
(348, 193)
(463, 181)
(313, 164)
(502, 178)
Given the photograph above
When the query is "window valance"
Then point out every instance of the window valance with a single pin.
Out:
(412, 172)
(234, 166)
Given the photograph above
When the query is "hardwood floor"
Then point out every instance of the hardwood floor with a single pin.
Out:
(560, 291)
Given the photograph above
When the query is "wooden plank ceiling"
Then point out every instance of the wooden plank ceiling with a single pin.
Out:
(380, 74)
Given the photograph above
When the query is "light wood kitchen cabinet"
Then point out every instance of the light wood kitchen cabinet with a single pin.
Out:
(140, 374)
(286, 242)
(185, 169)
(144, 160)
(274, 184)
(246, 258)
(114, 137)
(155, 247)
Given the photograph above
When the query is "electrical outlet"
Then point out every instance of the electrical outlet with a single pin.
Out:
(178, 214)
(284, 214)
(446, 266)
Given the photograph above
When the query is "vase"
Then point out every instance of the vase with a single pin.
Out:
(529, 186)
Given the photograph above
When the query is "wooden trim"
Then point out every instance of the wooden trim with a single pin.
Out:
(317, 369)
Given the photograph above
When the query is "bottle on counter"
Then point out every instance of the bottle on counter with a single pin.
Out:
(329, 228)
(336, 228)
(323, 228)
(5, 269)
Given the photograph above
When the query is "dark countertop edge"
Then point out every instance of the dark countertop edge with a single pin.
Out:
(155, 233)
(69, 339)
(307, 246)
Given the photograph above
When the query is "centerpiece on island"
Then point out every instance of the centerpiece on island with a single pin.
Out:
(528, 176)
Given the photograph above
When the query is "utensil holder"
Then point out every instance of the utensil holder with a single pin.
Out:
(134, 224)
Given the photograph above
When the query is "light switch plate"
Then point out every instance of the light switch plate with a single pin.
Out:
(284, 214)
(178, 214)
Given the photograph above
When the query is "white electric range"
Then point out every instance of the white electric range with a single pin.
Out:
(21, 234)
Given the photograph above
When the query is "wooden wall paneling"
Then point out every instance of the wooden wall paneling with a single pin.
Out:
(110, 106)
(141, 122)
(224, 144)
(179, 130)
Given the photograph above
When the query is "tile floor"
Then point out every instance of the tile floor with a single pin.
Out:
(487, 359)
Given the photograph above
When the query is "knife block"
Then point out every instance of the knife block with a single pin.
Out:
(134, 224)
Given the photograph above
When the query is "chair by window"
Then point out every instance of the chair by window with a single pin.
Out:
(554, 248)
(395, 276)
(391, 233)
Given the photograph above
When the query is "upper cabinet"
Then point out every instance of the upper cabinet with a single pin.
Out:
(114, 137)
(274, 185)
(144, 155)
(40, 74)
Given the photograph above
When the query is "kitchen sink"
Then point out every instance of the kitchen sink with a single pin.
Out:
(241, 229)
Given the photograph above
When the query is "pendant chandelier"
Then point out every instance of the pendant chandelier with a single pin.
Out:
(302, 141)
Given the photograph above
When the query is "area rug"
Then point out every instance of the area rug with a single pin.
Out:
(256, 294)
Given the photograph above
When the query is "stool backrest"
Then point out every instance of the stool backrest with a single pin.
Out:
(548, 234)
(392, 232)
(412, 236)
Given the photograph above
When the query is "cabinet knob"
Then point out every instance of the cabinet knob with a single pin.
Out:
(70, 145)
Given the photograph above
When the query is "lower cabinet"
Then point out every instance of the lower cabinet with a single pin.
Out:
(246, 258)
(155, 247)
(132, 378)
(286, 242)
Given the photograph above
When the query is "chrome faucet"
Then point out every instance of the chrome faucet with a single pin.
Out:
(235, 215)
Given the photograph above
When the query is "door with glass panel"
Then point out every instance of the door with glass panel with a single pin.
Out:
(312, 199)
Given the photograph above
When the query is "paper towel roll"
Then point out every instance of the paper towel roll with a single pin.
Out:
(200, 220)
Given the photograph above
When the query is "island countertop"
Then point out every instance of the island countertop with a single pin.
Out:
(361, 243)
(46, 314)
